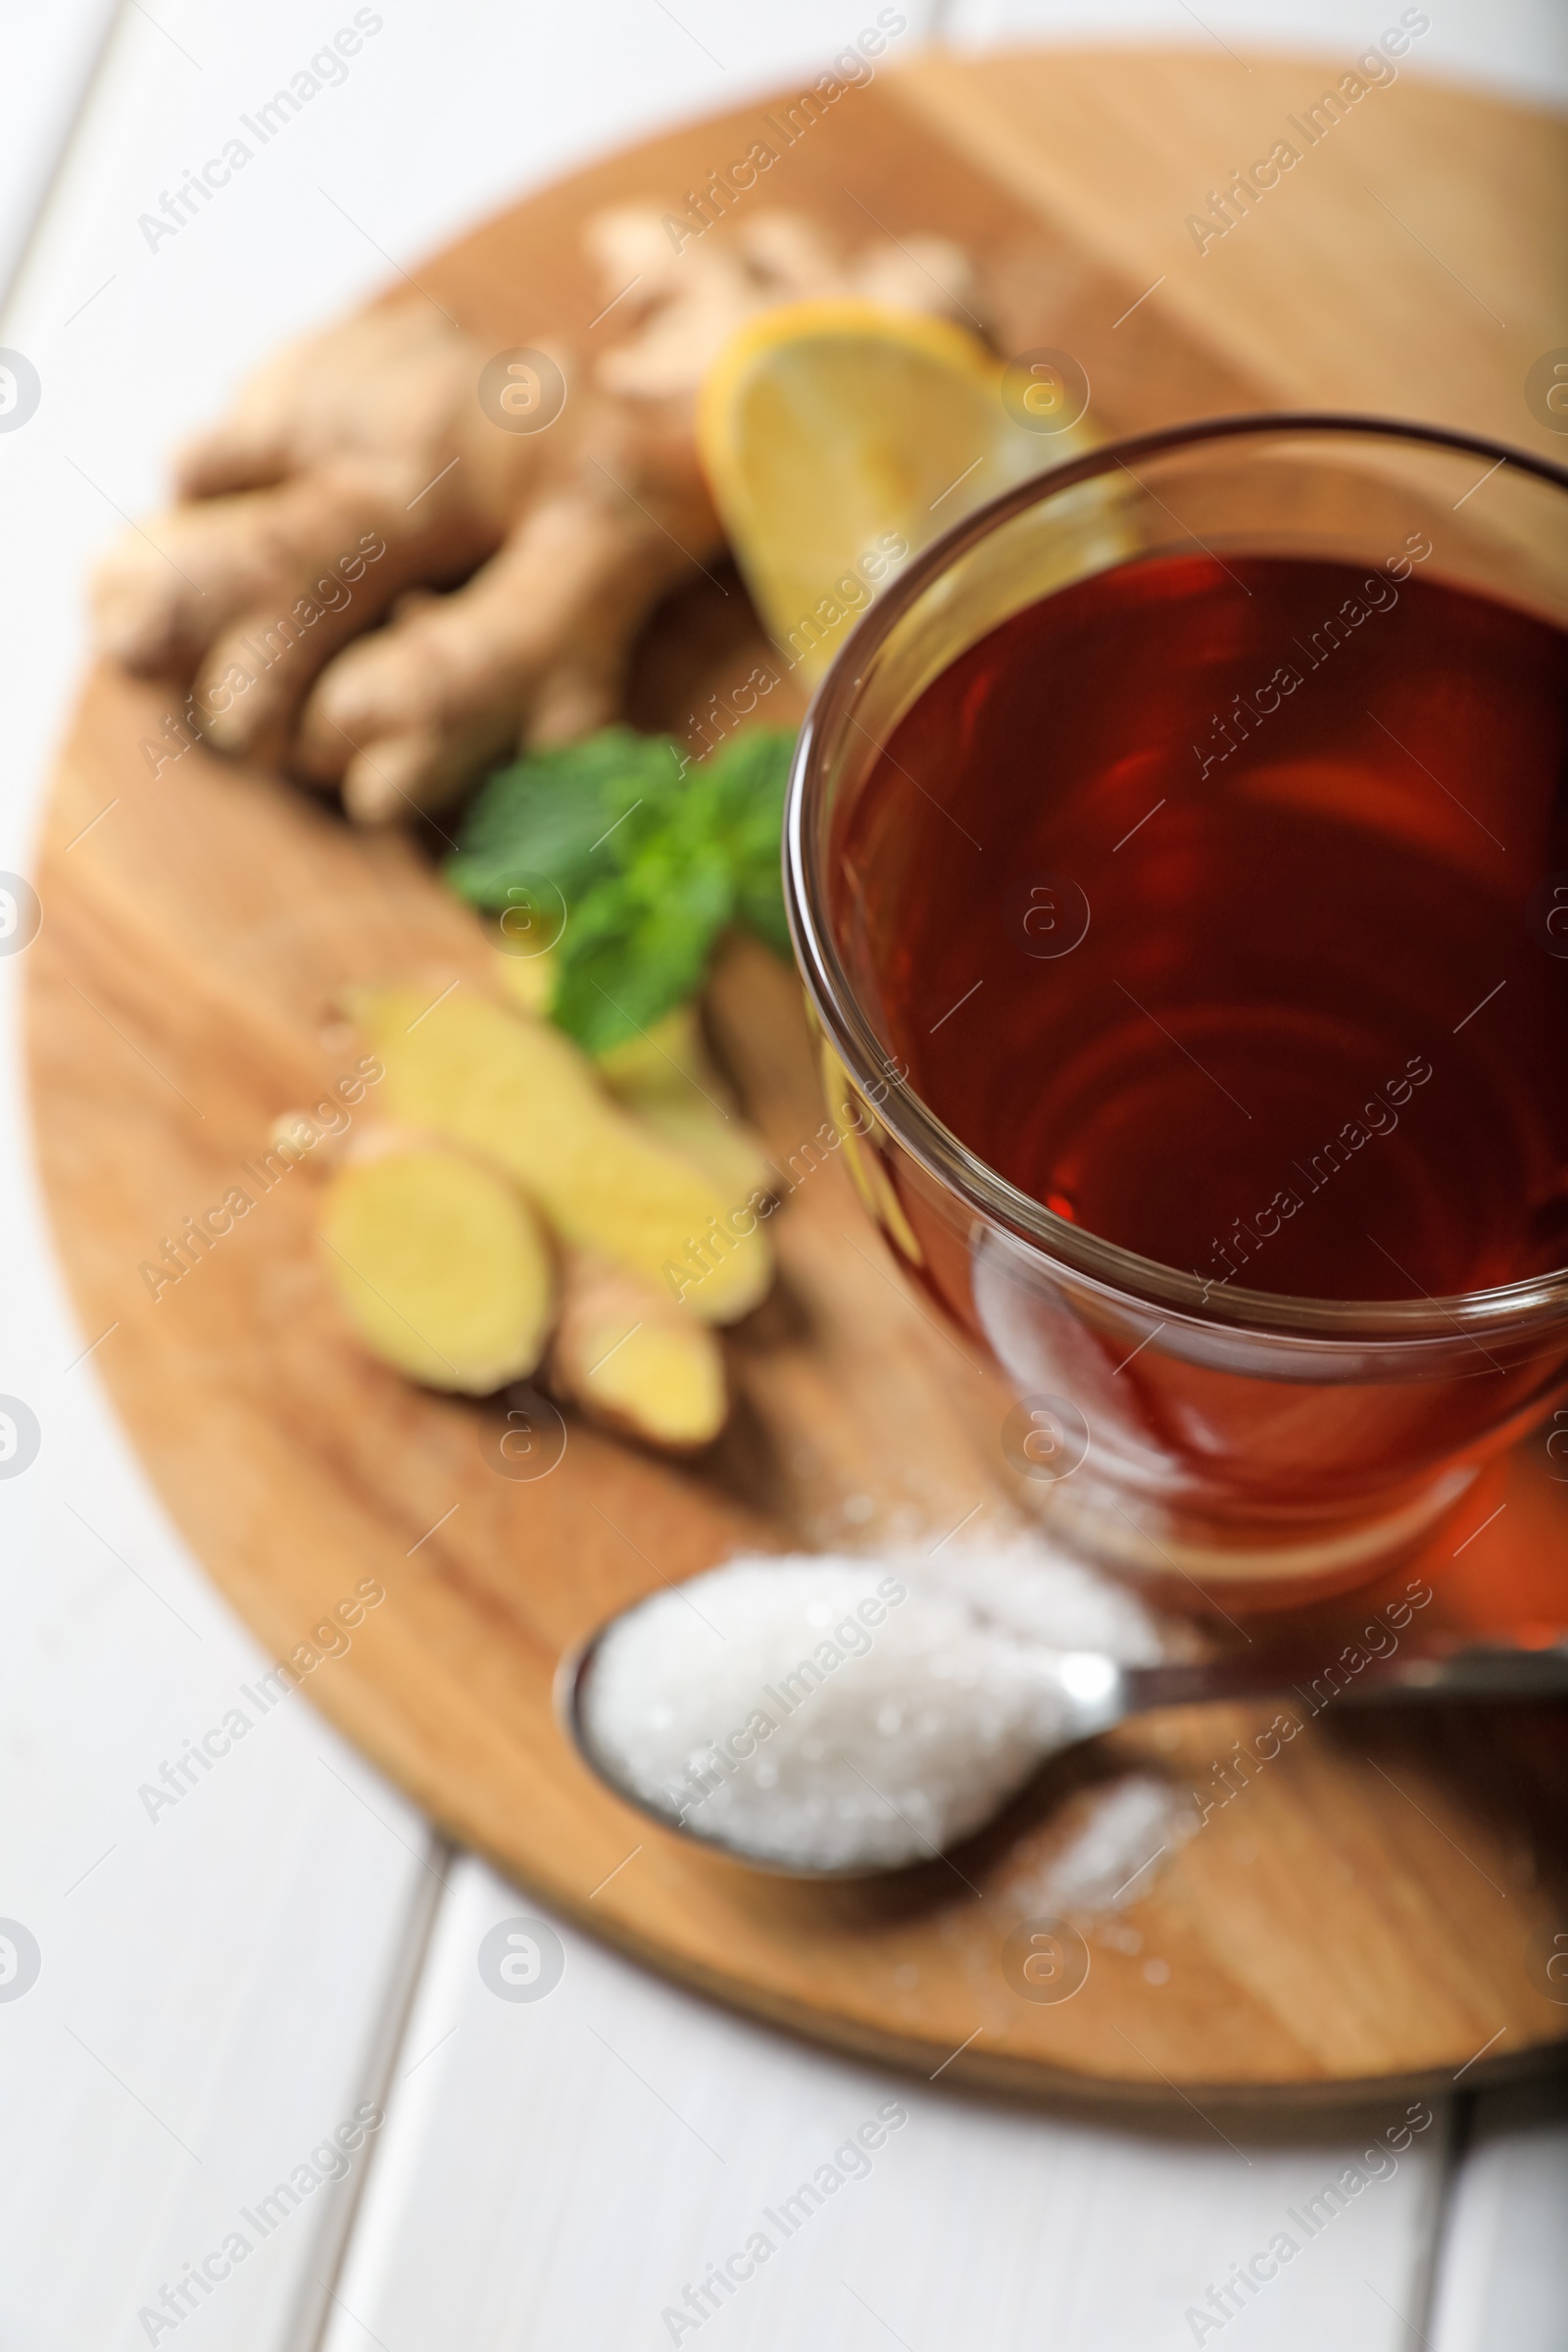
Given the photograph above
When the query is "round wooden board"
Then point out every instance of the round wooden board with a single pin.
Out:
(1365, 1910)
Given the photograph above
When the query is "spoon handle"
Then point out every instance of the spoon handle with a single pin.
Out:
(1432, 1670)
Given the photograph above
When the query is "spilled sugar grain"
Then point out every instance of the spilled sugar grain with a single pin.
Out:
(1125, 1834)
(834, 1713)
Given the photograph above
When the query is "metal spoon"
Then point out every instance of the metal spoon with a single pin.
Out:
(1098, 1693)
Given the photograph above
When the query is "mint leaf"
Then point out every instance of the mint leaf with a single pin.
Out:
(652, 866)
(636, 947)
(550, 818)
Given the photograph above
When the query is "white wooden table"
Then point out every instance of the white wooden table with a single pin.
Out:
(221, 1987)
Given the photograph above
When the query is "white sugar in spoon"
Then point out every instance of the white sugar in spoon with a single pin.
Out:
(844, 1718)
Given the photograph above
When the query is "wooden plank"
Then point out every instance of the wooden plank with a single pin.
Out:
(1502, 2275)
(213, 1956)
(226, 1968)
(643, 2140)
(51, 56)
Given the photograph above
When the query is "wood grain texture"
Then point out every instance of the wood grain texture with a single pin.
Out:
(1364, 1909)
(1409, 263)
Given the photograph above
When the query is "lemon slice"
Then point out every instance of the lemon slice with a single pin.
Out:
(839, 437)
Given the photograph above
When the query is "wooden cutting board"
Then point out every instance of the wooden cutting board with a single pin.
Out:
(1376, 1903)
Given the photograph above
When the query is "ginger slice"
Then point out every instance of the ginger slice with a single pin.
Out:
(442, 1270)
(520, 1093)
(527, 982)
(668, 1076)
(634, 1360)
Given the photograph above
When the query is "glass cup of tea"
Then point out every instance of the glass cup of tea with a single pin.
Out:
(1177, 858)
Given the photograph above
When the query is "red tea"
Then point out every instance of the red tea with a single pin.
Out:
(1212, 905)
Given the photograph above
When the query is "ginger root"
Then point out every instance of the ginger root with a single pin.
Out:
(520, 1095)
(634, 1360)
(440, 1266)
(291, 585)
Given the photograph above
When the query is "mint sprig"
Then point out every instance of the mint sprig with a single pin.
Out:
(653, 864)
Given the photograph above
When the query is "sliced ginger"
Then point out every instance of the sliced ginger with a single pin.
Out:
(634, 1360)
(527, 982)
(441, 1268)
(522, 1096)
(668, 1076)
